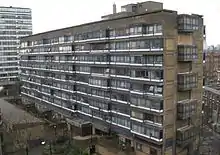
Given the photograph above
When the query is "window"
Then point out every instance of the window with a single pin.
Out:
(98, 82)
(121, 32)
(149, 117)
(148, 131)
(156, 43)
(86, 110)
(146, 44)
(147, 103)
(120, 84)
(120, 71)
(186, 109)
(112, 46)
(121, 121)
(68, 38)
(121, 59)
(98, 70)
(149, 59)
(157, 28)
(158, 59)
(134, 30)
(131, 30)
(117, 108)
(120, 97)
(187, 81)
(122, 45)
(83, 69)
(187, 22)
(112, 33)
(187, 53)
(137, 115)
(61, 39)
(149, 29)
(158, 74)
(133, 45)
(100, 46)
(100, 93)
(137, 87)
(98, 104)
(149, 74)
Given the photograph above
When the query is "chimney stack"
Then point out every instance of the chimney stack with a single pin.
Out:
(114, 8)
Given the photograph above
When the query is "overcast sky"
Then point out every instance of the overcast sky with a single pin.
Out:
(53, 14)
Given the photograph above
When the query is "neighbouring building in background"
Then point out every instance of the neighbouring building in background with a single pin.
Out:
(19, 129)
(212, 67)
(211, 98)
(14, 23)
(214, 48)
(138, 75)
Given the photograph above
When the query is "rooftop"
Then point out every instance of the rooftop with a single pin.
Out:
(14, 7)
(214, 89)
(97, 22)
(14, 115)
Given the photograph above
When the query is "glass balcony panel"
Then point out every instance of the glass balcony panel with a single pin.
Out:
(187, 53)
(186, 134)
(187, 81)
(186, 108)
(188, 23)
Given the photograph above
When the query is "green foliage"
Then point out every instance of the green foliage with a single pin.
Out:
(72, 150)
(64, 149)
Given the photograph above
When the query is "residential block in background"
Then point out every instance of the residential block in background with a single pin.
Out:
(14, 23)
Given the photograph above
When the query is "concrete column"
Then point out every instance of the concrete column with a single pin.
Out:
(93, 130)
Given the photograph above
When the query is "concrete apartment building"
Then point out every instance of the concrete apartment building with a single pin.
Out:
(14, 23)
(137, 73)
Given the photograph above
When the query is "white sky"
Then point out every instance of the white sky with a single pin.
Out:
(54, 14)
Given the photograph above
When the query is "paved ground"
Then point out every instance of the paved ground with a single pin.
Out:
(36, 151)
(210, 142)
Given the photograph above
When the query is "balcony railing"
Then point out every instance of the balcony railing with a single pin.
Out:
(186, 134)
(187, 53)
(187, 81)
(186, 108)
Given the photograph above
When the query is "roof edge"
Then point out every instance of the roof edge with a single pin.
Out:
(15, 7)
(95, 22)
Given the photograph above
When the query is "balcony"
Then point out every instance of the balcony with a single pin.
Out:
(185, 135)
(147, 118)
(187, 53)
(93, 37)
(186, 108)
(153, 120)
(187, 81)
(188, 23)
